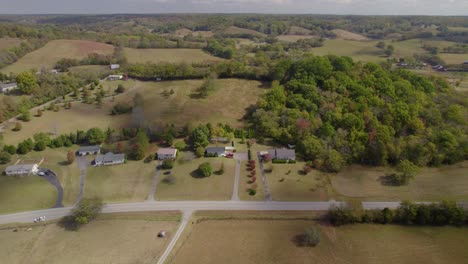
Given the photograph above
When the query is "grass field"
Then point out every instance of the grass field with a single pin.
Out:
(25, 194)
(358, 50)
(189, 187)
(451, 58)
(293, 38)
(288, 183)
(129, 182)
(431, 184)
(179, 108)
(168, 55)
(347, 35)
(55, 50)
(130, 238)
(6, 43)
(244, 184)
(98, 69)
(295, 30)
(185, 32)
(272, 241)
(237, 30)
(183, 107)
(458, 29)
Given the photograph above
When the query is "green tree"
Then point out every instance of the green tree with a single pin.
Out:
(5, 157)
(205, 169)
(200, 152)
(310, 237)
(86, 211)
(167, 164)
(120, 89)
(380, 45)
(406, 171)
(27, 82)
(95, 136)
(25, 115)
(18, 126)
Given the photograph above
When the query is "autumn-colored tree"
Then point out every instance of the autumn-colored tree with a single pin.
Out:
(71, 157)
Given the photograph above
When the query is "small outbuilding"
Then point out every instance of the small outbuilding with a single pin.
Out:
(109, 159)
(89, 150)
(114, 66)
(114, 77)
(22, 169)
(215, 151)
(166, 153)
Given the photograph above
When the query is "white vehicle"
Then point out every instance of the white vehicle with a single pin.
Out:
(41, 173)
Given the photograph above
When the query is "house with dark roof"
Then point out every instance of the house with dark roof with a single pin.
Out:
(89, 150)
(167, 153)
(7, 87)
(282, 154)
(109, 159)
(215, 151)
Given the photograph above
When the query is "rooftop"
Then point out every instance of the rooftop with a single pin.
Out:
(167, 151)
(109, 157)
(89, 148)
(20, 167)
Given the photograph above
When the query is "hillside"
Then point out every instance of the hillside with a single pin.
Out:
(55, 50)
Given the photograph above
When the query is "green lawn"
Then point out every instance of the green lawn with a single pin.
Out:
(55, 50)
(168, 55)
(190, 187)
(129, 182)
(431, 184)
(245, 185)
(358, 50)
(287, 182)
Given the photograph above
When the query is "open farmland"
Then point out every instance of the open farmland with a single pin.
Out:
(237, 30)
(295, 30)
(168, 55)
(431, 184)
(6, 43)
(272, 241)
(185, 32)
(347, 35)
(55, 50)
(294, 38)
(358, 50)
(118, 239)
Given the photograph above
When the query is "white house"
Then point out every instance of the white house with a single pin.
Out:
(114, 66)
(109, 159)
(167, 153)
(6, 87)
(114, 77)
(89, 150)
(22, 169)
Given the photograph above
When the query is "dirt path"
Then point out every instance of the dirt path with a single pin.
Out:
(155, 181)
(264, 180)
(82, 165)
(183, 224)
(51, 177)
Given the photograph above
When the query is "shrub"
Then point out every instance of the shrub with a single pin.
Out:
(5, 157)
(180, 146)
(252, 192)
(167, 164)
(169, 179)
(10, 149)
(200, 152)
(205, 169)
(120, 89)
(253, 179)
(342, 216)
(39, 113)
(71, 157)
(149, 158)
(310, 237)
(121, 108)
(25, 115)
(306, 169)
(18, 126)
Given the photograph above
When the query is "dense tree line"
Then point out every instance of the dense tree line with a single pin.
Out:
(408, 213)
(338, 112)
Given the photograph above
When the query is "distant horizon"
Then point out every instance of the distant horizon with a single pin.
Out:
(224, 13)
(272, 7)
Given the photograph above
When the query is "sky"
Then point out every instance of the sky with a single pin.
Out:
(358, 7)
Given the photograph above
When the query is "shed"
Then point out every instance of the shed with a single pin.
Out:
(167, 153)
(114, 66)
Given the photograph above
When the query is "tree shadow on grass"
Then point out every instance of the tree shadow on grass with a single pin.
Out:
(68, 223)
(63, 163)
(196, 175)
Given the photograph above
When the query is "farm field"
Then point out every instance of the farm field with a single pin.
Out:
(431, 184)
(97, 69)
(121, 239)
(293, 38)
(168, 55)
(272, 241)
(451, 58)
(232, 30)
(358, 50)
(347, 35)
(129, 182)
(184, 106)
(188, 186)
(55, 50)
(185, 32)
(6, 43)
(287, 182)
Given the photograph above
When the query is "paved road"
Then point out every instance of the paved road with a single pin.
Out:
(155, 181)
(55, 213)
(183, 224)
(264, 180)
(83, 163)
(235, 190)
